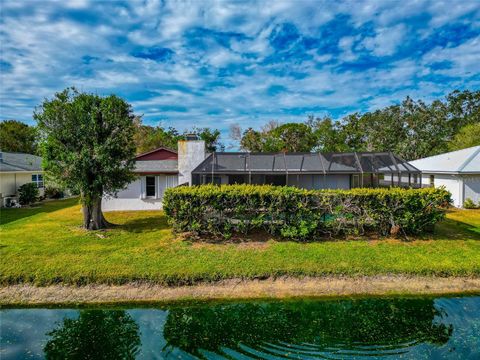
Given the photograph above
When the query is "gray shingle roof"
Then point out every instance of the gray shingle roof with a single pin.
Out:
(146, 166)
(20, 162)
(225, 162)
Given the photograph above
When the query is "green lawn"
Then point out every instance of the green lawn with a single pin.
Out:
(45, 245)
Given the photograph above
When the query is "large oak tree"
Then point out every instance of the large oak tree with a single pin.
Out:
(87, 144)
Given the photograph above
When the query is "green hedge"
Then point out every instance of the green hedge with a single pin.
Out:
(301, 214)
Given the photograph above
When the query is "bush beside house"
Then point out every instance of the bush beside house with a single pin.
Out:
(28, 193)
(300, 214)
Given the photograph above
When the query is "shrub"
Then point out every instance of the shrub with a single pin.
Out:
(28, 193)
(53, 193)
(469, 204)
(302, 214)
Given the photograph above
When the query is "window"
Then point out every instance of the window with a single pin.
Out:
(150, 186)
(37, 179)
(432, 180)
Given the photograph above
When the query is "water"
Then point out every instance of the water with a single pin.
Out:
(393, 328)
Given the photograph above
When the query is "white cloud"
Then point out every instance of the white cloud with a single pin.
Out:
(386, 40)
(45, 49)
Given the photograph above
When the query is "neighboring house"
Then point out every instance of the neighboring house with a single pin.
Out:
(17, 169)
(162, 168)
(458, 171)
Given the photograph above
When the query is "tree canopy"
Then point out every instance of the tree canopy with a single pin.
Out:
(16, 136)
(468, 136)
(86, 144)
(290, 137)
(148, 137)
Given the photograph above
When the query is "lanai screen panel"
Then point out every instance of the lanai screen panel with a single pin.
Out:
(225, 162)
(295, 162)
(402, 164)
(264, 163)
(342, 162)
(314, 162)
(383, 163)
(369, 162)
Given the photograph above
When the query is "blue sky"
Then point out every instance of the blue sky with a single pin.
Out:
(216, 63)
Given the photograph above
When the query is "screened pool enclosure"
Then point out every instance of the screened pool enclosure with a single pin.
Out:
(308, 170)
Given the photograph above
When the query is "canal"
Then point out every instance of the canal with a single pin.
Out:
(390, 328)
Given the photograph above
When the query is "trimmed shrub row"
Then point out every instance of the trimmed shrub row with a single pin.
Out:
(300, 214)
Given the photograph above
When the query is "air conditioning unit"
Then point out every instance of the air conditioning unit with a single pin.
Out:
(10, 202)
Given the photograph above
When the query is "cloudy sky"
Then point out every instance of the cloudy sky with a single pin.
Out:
(214, 63)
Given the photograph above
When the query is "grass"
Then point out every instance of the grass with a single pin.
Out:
(45, 245)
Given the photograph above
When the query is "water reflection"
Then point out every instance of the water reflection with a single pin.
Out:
(359, 327)
(340, 329)
(95, 334)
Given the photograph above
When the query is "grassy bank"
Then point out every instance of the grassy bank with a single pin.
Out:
(234, 289)
(45, 246)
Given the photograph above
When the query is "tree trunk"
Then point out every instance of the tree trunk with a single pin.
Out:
(93, 218)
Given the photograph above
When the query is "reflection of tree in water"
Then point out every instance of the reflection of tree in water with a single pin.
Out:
(95, 334)
(391, 324)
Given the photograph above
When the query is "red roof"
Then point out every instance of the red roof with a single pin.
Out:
(161, 153)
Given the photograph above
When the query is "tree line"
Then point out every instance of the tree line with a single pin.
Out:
(412, 130)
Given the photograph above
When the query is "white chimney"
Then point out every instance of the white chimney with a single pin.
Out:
(191, 152)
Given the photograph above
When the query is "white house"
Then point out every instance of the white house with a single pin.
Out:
(162, 168)
(458, 171)
(17, 169)
(157, 171)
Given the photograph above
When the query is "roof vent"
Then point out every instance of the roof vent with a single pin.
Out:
(191, 137)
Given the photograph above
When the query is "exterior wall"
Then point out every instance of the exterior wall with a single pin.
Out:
(471, 187)
(452, 183)
(134, 197)
(190, 154)
(332, 182)
(8, 185)
(310, 182)
(10, 182)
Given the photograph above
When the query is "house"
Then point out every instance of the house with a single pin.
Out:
(157, 171)
(458, 171)
(17, 169)
(163, 168)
